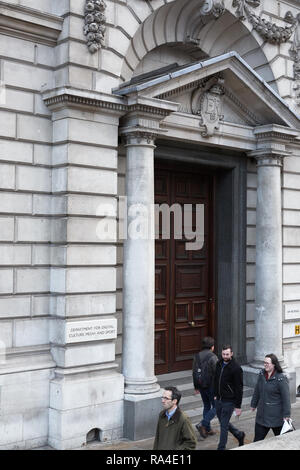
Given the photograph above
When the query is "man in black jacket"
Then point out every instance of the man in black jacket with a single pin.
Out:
(229, 393)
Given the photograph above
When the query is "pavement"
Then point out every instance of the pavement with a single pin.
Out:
(245, 423)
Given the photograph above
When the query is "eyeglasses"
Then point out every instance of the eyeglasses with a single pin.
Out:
(166, 398)
(267, 363)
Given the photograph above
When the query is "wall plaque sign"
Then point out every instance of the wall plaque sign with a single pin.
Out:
(90, 330)
(292, 311)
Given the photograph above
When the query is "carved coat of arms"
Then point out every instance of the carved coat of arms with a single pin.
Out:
(208, 103)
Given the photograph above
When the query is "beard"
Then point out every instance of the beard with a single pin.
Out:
(228, 359)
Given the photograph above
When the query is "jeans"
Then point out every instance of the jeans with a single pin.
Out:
(209, 410)
(262, 431)
(224, 412)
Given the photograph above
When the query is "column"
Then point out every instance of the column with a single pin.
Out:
(268, 312)
(142, 392)
(271, 148)
(139, 263)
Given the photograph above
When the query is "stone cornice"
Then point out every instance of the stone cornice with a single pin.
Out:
(29, 24)
(70, 97)
(271, 145)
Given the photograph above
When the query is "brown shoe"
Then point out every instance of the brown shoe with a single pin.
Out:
(202, 431)
(211, 433)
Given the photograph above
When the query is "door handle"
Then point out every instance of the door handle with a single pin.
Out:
(192, 323)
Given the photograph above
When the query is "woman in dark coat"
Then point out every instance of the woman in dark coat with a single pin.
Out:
(271, 398)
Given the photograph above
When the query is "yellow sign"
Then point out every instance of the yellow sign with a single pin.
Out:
(297, 329)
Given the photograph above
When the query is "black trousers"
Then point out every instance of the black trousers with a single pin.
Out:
(262, 431)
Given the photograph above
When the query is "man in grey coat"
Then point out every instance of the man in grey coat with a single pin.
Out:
(271, 398)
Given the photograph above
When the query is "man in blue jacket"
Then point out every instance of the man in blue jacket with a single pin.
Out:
(228, 387)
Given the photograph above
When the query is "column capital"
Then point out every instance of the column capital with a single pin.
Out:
(266, 157)
(141, 125)
(137, 136)
(271, 144)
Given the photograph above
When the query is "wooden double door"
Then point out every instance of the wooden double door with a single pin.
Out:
(184, 277)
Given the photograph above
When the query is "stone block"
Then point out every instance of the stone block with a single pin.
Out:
(291, 292)
(291, 236)
(45, 55)
(91, 255)
(251, 236)
(35, 424)
(6, 281)
(6, 329)
(140, 416)
(32, 280)
(7, 176)
(104, 82)
(251, 198)
(49, 205)
(291, 163)
(46, 6)
(78, 55)
(18, 101)
(87, 180)
(16, 203)
(41, 254)
(11, 307)
(84, 230)
(68, 429)
(291, 274)
(126, 19)
(84, 391)
(111, 62)
(6, 228)
(15, 254)
(82, 354)
(89, 132)
(79, 77)
(42, 154)
(17, 48)
(291, 181)
(33, 179)
(11, 429)
(34, 129)
(31, 332)
(35, 395)
(16, 151)
(83, 305)
(40, 108)
(40, 306)
(84, 205)
(83, 280)
(7, 124)
(251, 217)
(31, 78)
(84, 155)
(33, 229)
(291, 255)
(291, 217)
(116, 40)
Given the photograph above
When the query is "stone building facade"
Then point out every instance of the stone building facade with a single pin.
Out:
(194, 102)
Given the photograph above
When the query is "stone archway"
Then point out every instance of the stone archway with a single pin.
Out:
(182, 24)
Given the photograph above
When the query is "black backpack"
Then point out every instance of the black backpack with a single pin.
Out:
(201, 376)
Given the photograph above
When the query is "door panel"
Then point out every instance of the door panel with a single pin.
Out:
(183, 278)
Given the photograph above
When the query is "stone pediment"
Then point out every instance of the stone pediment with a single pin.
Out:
(230, 108)
(223, 88)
